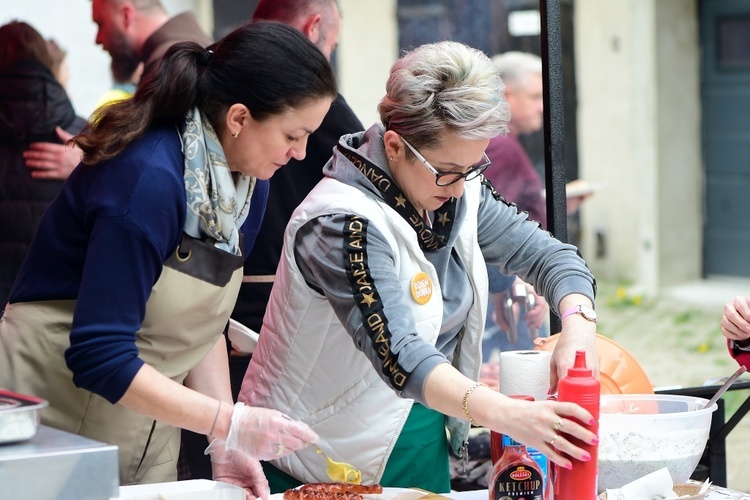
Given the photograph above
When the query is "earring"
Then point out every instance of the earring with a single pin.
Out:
(390, 158)
(235, 134)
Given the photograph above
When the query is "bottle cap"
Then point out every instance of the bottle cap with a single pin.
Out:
(579, 366)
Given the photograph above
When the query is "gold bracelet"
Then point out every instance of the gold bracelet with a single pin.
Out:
(216, 417)
(466, 402)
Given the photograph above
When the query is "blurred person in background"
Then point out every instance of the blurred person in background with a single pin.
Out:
(142, 29)
(320, 22)
(512, 172)
(117, 314)
(126, 73)
(516, 179)
(60, 66)
(130, 30)
(33, 104)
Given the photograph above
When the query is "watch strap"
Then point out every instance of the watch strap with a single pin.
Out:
(576, 309)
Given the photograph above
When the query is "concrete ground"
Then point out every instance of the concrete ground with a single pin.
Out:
(677, 340)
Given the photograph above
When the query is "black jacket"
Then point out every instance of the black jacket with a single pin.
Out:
(32, 103)
(289, 186)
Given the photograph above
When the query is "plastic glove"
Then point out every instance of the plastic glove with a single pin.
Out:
(236, 468)
(266, 434)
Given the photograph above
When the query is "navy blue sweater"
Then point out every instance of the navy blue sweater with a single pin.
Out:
(102, 243)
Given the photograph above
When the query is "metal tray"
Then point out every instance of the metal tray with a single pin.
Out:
(19, 416)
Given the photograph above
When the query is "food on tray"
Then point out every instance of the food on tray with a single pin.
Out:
(332, 491)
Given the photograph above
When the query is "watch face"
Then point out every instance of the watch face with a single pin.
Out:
(588, 313)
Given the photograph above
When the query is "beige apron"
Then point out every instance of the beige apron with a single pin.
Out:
(186, 313)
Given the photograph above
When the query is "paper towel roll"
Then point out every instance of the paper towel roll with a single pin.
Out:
(525, 372)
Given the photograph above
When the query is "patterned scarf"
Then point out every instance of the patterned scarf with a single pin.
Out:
(217, 199)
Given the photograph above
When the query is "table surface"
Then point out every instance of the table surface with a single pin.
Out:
(715, 493)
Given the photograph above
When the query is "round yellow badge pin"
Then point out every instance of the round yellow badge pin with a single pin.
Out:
(421, 288)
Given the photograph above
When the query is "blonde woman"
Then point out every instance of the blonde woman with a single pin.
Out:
(372, 334)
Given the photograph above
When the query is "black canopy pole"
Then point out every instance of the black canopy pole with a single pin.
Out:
(554, 125)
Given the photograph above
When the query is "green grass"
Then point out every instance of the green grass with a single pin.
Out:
(733, 400)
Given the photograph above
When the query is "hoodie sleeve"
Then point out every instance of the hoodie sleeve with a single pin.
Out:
(516, 245)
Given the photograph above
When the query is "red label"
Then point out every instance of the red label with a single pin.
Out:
(520, 474)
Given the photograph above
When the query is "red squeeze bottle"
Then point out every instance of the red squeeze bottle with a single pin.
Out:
(579, 386)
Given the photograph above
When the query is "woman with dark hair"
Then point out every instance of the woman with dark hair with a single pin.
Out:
(32, 104)
(136, 265)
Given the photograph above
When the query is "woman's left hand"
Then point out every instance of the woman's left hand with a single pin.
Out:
(235, 467)
(578, 334)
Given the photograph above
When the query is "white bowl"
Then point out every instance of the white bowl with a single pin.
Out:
(642, 433)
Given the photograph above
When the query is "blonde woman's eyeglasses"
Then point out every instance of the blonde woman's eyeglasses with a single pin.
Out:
(448, 178)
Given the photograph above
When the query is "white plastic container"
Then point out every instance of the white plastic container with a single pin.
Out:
(642, 433)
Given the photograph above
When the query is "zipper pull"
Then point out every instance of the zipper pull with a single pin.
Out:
(463, 453)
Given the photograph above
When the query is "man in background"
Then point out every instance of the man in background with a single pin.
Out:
(320, 21)
(130, 30)
(142, 29)
(516, 179)
(512, 172)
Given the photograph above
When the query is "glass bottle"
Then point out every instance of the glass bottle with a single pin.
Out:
(498, 442)
(516, 476)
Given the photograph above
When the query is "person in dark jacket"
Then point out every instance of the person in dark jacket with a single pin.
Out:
(32, 104)
(319, 21)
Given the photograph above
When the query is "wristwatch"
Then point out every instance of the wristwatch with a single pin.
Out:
(585, 311)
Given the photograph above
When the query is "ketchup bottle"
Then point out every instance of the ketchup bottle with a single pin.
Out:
(516, 475)
(579, 386)
(499, 441)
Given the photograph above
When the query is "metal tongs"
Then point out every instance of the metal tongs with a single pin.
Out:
(526, 301)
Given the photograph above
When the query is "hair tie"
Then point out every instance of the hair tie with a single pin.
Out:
(206, 58)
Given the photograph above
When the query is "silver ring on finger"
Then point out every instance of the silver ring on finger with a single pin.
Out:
(558, 424)
(280, 450)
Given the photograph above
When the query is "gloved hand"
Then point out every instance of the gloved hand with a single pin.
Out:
(235, 467)
(266, 434)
